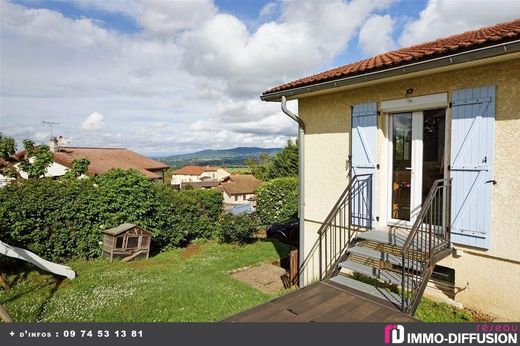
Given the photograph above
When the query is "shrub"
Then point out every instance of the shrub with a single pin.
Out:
(53, 219)
(277, 200)
(237, 229)
(64, 219)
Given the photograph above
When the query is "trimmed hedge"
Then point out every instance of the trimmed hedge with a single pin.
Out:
(61, 219)
(277, 200)
(237, 229)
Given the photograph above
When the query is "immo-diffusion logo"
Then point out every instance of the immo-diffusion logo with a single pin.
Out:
(491, 334)
(394, 333)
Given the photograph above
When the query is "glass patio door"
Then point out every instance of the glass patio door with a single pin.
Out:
(417, 160)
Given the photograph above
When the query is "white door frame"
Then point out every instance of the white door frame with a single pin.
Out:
(417, 168)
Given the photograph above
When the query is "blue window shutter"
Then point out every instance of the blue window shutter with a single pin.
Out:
(471, 169)
(363, 151)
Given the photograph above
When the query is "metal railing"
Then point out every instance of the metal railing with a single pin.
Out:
(427, 243)
(351, 213)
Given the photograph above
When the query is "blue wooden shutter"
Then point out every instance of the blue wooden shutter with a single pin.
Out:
(472, 143)
(363, 151)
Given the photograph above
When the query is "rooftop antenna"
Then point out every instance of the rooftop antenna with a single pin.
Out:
(50, 124)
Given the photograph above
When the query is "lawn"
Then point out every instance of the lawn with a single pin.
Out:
(180, 285)
(177, 285)
(238, 170)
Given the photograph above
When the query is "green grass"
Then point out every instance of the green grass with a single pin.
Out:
(239, 170)
(430, 311)
(166, 287)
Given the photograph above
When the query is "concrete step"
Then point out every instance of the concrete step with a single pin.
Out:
(382, 256)
(378, 292)
(376, 273)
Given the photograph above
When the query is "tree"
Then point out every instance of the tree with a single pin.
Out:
(38, 159)
(7, 146)
(259, 167)
(282, 164)
(79, 168)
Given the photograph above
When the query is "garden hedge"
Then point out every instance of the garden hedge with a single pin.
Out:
(62, 219)
(277, 200)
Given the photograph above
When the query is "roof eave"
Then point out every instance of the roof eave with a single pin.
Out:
(447, 60)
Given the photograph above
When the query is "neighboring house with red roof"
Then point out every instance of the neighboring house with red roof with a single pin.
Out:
(197, 174)
(409, 171)
(239, 188)
(101, 161)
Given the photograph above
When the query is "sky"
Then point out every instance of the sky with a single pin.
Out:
(172, 77)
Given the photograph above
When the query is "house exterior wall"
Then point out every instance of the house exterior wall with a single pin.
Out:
(4, 180)
(222, 174)
(217, 175)
(177, 179)
(54, 170)
(488, 278)
(212, 175)
(230, 199)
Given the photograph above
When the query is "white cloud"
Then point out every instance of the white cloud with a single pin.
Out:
(268, 9)
(94, 121)
(310, 35)
(181, 84)
(375, 36)
(444, 17)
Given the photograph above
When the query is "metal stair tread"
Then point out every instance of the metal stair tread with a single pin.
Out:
(377, 292)
(380, 274)
(381, 255)
(394, 237)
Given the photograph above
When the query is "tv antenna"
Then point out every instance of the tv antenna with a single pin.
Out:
(50, 124)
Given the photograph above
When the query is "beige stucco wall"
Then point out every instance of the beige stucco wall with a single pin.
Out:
(230, 199)
(493, 275)
(177, 179)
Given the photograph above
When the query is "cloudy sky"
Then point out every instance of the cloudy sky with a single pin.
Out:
(163, 77)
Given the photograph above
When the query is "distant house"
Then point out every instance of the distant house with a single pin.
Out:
(198, 174)
(101, 161)
(5, 164)
(239, 188)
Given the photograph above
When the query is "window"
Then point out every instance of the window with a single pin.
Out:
(119, 242)
(132, 242)
(236, 198)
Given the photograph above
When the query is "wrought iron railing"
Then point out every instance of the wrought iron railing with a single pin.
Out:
(427, 243)
(351, 213)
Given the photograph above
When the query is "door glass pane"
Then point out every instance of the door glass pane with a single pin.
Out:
(433, 148)
(402, 164)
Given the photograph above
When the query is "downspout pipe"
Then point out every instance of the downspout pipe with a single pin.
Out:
(301, 185)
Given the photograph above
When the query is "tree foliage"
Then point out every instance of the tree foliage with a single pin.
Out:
(282, 164)
(239, 229)
(7, 146)
(78, 168)
(277, 200)
(38, 159)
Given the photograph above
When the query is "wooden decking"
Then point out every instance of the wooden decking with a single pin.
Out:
(322, 302)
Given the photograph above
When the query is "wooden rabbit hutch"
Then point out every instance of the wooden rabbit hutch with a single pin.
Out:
(126, 242)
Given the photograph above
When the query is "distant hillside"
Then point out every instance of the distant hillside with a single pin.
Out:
(224, 157)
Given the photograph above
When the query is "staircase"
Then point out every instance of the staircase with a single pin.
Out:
(391, 265)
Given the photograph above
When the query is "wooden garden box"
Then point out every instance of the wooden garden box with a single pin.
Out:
(126, 242)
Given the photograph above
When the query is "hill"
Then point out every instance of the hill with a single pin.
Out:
(222, 157)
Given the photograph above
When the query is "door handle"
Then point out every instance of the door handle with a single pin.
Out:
(408, 168)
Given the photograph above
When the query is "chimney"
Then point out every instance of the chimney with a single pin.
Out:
(53, 144)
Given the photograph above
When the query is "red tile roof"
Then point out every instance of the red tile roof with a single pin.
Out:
(449, 45)
(194, 170)
(238, 184)
(105, 159)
